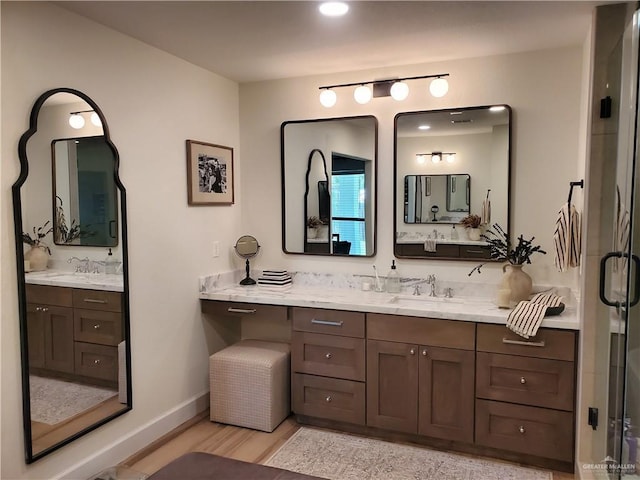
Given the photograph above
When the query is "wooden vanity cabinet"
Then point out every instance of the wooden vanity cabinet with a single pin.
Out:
(328, 364)
(74, 333)
(423, 380)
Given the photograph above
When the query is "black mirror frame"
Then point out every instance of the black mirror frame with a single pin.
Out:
(22, 301)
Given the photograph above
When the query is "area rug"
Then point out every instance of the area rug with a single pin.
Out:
(53, 401)
(338, 456)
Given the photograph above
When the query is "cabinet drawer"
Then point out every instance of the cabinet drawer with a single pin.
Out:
(96, 361)
(422, 331)
(94, 326)
(535, 431)
(97, 300)
(333, 399)
(239, 309)
(531, 381)
(331, 322)
(548, 343)
(47, 295)
(474, 251)
(328, 355)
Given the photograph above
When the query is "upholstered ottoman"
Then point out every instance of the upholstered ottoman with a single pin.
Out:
(250, 384)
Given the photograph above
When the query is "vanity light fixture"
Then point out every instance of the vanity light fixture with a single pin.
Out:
(436, 157)
(396, 88)
(77, 121)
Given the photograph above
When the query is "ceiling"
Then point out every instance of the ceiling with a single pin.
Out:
(250, 41)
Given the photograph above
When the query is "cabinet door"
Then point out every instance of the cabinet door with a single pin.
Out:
(58, 336)
(446, 393)
(392, 385)
(35, 333)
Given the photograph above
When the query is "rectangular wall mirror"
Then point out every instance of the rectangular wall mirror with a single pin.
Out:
(329, 186)
(450, 164)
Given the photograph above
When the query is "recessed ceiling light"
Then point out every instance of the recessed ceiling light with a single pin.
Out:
(334, 9)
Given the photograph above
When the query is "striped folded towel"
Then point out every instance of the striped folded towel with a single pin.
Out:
(430, 245)
(527, 317)
(567, 238)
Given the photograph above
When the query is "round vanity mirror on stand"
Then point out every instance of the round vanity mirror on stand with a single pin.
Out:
(247, 247)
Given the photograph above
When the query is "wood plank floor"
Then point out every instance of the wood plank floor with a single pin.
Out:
(202, 435)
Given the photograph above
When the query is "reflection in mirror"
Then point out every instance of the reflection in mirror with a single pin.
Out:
(85, 193)
(423, 192)
(433, 195)
(329, 186)
(74, 314)
(247, 247)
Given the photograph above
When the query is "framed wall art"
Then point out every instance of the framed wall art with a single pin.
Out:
(209, 173)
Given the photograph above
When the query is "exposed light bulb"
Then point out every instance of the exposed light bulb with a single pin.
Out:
(76, 121)
(362, 94)
(421, 159)
(436, 157)
(451, 158)
(497, 108)
(333, 9)
(439, 87)
(399, 91)
(328, 98)
(95, 119)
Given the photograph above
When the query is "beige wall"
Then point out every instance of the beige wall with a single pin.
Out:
(544, 90)
(153, 102)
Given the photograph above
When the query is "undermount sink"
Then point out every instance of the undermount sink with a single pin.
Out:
(422, 299)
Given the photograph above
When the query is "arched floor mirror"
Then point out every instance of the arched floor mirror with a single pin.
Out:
(72, 273)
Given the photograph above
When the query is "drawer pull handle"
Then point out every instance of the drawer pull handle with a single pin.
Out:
(45, 309)
(470, 250)
(38, 309)
(521, 430)
(412, 351)
(93, 300)
(523, 380)
(241, 310)
(327, 322)
(328, 399)
(522, 342)
(328, 355)
(424, 352)
(96, 362)
(96, 326)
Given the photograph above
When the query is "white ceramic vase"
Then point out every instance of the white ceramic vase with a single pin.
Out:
(474, 233)
(312, 232)
(37, 257)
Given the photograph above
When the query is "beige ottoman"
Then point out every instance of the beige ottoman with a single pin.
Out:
(250, 384)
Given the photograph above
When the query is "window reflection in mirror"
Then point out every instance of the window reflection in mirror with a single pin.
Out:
(84, 192)
(432, 189)
(329, 178)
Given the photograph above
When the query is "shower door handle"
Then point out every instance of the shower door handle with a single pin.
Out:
(636, 287)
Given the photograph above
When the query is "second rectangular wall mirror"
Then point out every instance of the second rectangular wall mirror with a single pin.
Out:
(450, 164)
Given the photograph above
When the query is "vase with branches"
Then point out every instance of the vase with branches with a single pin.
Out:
(38, 255)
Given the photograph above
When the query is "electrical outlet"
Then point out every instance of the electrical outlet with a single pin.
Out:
(216, 249)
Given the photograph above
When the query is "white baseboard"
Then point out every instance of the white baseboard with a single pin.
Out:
(134, 441)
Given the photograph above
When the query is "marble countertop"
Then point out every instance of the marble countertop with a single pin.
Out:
(471, 309)
(88, 281)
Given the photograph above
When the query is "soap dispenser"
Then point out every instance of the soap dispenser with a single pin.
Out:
(393, 281)
(110, 264)
(454, 233)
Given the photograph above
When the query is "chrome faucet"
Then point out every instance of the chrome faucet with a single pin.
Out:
(85, 265)
(431, 280)
(416, 289)
(448, 292)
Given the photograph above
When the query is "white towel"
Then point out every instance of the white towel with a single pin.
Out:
(567, 238)
(430, 245)
(527, 317)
